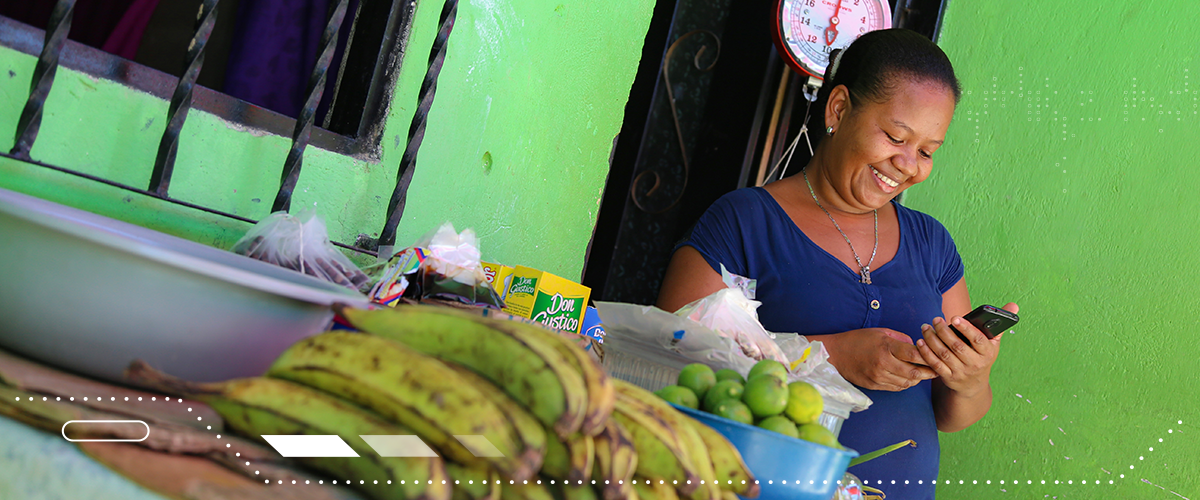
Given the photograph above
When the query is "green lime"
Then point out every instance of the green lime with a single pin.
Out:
(727, 374)
(697, 377)
(780, 424)
(681, 396)
(814, 433)
(766, 396)
(804, 403)
(734, 410)
(725, 389)
(768, 366)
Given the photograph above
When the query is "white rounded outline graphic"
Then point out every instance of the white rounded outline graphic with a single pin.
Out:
(69, 422)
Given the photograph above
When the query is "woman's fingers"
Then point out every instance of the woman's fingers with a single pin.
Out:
(941, 347)
(935, 362)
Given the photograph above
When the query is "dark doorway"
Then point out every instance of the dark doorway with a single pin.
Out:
(721, 123)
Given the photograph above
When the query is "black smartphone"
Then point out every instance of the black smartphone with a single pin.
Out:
(990, 320)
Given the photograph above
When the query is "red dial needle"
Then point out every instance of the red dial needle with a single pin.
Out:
(831, 32)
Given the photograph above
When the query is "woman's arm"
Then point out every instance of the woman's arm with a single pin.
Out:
(688, 278)
(875, 358)
(962, 393)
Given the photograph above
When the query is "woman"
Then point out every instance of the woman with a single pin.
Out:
(839, 261)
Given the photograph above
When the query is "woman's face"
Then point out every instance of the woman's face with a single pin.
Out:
(880, 149)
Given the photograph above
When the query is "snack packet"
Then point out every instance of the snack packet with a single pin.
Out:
(301, 243)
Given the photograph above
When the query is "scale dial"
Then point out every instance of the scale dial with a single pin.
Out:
(806, 31)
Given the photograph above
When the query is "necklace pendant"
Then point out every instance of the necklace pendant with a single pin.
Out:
(866, 276)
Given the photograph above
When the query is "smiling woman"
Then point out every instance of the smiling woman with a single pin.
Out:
(837, 259)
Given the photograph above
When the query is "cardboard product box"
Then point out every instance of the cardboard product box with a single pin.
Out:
(498, 276)
(548, 299)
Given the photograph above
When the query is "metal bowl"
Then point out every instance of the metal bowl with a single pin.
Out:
(786, 468)
(90, 294)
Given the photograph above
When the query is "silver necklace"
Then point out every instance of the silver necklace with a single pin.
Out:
(865, 271)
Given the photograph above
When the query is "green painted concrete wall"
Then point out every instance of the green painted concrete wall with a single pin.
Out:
(537, 87)
(1069, 181)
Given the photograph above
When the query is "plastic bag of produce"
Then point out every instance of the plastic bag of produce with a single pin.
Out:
(301, 243)
(452, 269)
(732, 312)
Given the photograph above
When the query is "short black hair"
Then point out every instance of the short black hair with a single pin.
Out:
(872, 66)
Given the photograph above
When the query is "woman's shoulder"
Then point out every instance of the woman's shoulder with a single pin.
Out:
(741, 203)
(922, 223)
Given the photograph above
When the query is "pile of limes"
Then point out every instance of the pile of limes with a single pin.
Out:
(764, 398)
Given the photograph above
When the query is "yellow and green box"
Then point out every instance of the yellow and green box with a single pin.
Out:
(548, 299)
(498, 276)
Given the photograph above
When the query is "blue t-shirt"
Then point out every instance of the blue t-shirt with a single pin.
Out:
(804, 289)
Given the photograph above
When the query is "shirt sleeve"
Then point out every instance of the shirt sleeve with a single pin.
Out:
(719, 236)
(951, 263)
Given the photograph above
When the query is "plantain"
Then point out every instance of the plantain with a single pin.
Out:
(530, 431)
(525, 490)
(261, 406)
(600, 390)
(582, 451)
(654, 490)
(732, 473)
(579, 492)
(616, 461)
(691, 442)
(412, 389)
(473, 483)
(532, 371)
(660, 449)
(570, 460)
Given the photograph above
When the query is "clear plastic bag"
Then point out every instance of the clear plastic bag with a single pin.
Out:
(732, 313)
(452, 270)
(301, 243)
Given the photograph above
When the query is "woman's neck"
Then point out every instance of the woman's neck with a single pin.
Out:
(826, 193)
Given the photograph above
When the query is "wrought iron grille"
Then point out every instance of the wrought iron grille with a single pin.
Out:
(158, 186)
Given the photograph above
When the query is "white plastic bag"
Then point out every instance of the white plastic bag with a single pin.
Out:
(453, 255)
(301, 243)
(731, 313)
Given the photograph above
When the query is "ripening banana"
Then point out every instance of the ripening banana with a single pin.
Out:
(576, 491)
(600, 390)
(570, 460)
(654, 490)
(261, 406)
(528, 490)
(412, 389)
(473, 483)
(655, 459)
(529, 430)
(689, 438)
(616, 461)
(534, 372)
(732, 473)
(661, 451)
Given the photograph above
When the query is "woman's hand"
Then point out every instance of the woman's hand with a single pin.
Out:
(877, 358)
(964, 367)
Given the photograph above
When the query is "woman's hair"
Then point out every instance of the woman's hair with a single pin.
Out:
(873, 66)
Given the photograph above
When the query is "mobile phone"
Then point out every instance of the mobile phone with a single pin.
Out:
(990, 320)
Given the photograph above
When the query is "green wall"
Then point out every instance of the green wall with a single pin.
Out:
(1069, 181)
(537, 87)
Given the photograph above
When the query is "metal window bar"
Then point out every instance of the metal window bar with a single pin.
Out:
(416, 131)
(181, 100)
(43, 79)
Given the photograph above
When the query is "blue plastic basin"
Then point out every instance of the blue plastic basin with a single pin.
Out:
(786, 468)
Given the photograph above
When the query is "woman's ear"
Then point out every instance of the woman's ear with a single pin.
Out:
(836, 107)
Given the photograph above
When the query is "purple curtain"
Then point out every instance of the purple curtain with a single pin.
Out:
(274, 50)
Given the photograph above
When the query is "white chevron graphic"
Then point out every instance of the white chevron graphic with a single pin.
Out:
(309, 446)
